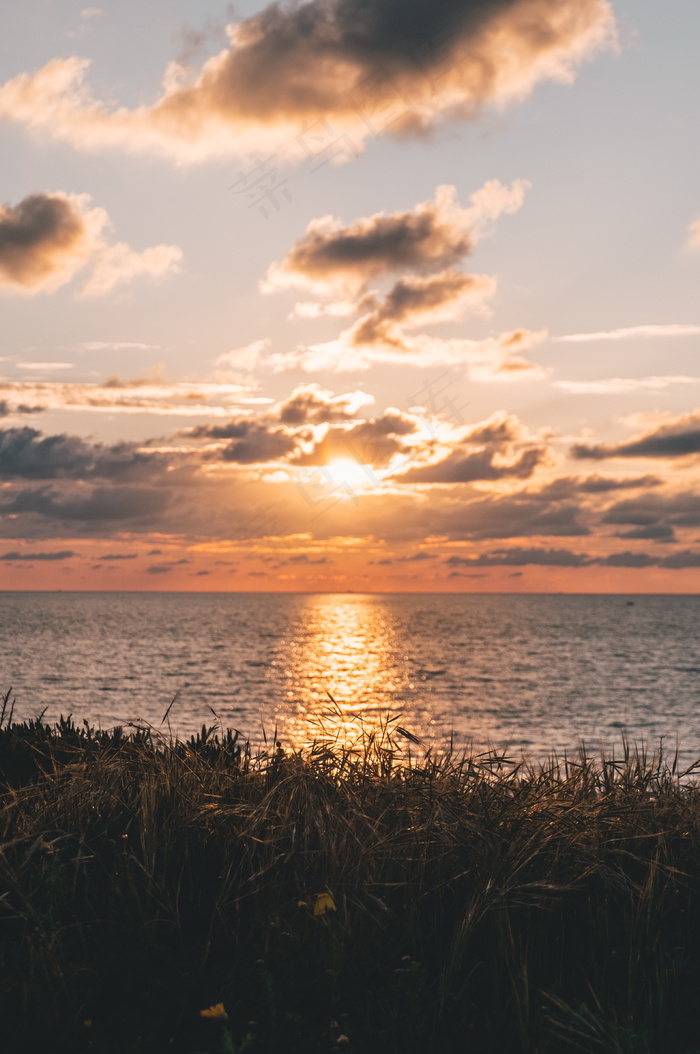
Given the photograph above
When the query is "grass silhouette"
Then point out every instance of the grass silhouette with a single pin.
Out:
(358, 894)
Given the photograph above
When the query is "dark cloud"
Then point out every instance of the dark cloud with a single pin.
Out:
(159, 569)
(430, 237)
(676, 439)
(629, 560)
(660, 532)
(310, 404)
(26, 453)
(118, 556)
(433, 236)
(62, 554)
(510, 517)
(517, 557)
(604, 484)
(460, 467)
(394, 66)
(7, 409)
(251, 442)
(39, 238)
(418, 300)
(650, 510)
(494, 450)
(100, 505)
(49, 237)
(682, 560)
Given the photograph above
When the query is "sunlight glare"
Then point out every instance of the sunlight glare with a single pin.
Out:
(347, 473)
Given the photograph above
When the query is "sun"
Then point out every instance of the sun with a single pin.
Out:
(345, 472)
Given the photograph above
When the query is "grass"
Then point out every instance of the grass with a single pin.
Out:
(360, 894)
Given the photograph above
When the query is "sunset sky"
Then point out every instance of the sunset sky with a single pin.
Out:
(382, 295)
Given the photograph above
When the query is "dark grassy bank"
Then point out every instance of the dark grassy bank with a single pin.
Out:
(480, 906)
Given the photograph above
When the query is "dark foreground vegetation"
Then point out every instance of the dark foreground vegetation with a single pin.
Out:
(347, 897)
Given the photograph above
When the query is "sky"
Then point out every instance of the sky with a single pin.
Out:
(372, 295)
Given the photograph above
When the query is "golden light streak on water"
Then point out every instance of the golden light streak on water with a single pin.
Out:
(347, 651)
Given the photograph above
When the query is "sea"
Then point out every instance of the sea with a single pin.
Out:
(531, 675)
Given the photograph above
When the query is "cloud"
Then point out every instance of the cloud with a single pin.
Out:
(27, 454)
(62, 554)
(693, 242)
(495, 450)
(629, 560)
(517, 557)
(101, 506)
(520, 557)
(494, 359)
(10, 410)
(460, 467)
(515, 516)
(116, 345)
(250, 442)
(622, 385)
(311, 404)
(48, 238)
(119, 265)
(682, 560)
(677, 438)
(44, 367)
(418, 300)
(489, 483)
(361, 69)
(245, 358)
(649, 510)
(670, 329)
(660, 532)
(143, 395)
(334, 258)
(604, 484)
(373, 443)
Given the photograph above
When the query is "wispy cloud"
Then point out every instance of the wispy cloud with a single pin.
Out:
(693, 242)
(44, 367)
(621, 385)
(141, 395)
(670, 329)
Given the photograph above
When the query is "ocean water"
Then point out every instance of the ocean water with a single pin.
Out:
(531, 674)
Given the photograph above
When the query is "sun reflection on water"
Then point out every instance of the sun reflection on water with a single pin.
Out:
(346, 654)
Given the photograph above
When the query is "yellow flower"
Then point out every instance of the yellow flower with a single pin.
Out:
(217, 1012)
(324, 903)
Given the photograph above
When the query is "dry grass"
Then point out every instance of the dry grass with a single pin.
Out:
(481, 905)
